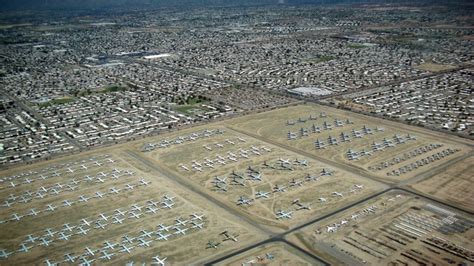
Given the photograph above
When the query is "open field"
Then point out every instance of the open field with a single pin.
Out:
(277, 253)
(260, 181)
(453, 185)
(388, 150)
(83, 201)
(395, 227)
(432, 67)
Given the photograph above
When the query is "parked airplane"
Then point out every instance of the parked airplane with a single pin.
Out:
(244, 201)
(4, 254)
(280, 214)
(24, 248)
(158, 260)
(212, 244)
(229, 236)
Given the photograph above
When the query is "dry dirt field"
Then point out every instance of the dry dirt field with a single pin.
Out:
(67, 179)
(232, 158)
(453, 185)
(395, 227)
(394, 161)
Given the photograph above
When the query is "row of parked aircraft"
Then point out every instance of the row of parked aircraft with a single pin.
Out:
(227, 236)
(183, 139)
(218, 145)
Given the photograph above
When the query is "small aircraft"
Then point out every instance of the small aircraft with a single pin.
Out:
(108, 245)
(261, 194)
(4, 254)
(63, 236)
(158, 260)
(106, 255)
(180, 231)
(244, 201)
(282, 214)
(24, 248)
(49, 263)
(337, 194)
(162, 236)
(229, 236)
(33, 212)
(212, 244)
(69, 258)
(126, 249)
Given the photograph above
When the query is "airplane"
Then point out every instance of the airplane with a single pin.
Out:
(301, 206)
(255, 177)
(12, 184)
(83, 166)
(358, 186)
(27, 181)
(180, 222)
(310, 177)
(99, 180)
(83, 198)
(184, 167)
(319, 144)
(197, 168)
(162, 227)
(180, 231)
(103, 216)
(67, 227)
(115, 176)
(244, 155)
(85, 222)
(89, 252)
(117, 220)
(152, 203)
(197, 225)
(207, 147)
(230, 142)
(39, 195)
(302, 162)
(261, 194)
(126, 249)
(218, 180)
(82, 231)
(143, 182)
(294, 182)
(127, 239)
(24, 248)
(63, 236)
(212, 244)
(144, 243)
(50, 232)
(4, 254)
(151, 210)
(69, 258)
(228, 236)
(86, 262)
(241, 139)
(136, 207)
(145, 234)
(158, 261)
(7, 204)
(16, 217)
(33, 212)
(331, 229)
(55, 191)
(243, 201)
(99, 194)
(196, 216)
(219, 145)
(284, 161)
(134, 215)
(50, 207)
(100, 225)
(88, 178)
(108, 245)
(282, 214)
(129, 187)
(162, 236)
(45, 242)
(71, 188)
(337, 194)
(290, 123)
(67, 203)
(110, 160)
(12, 197)
(49, 263)
(278, 188)
(113, 190)
(106, 255)
(322, 199)
(327, 172)
(30, 238)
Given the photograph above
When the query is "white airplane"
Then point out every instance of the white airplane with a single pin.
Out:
(255, 177)
(294, 182)
(282, 214)
(134, 215)
(196, 216)
(88, 178)
(83, 198)
(327, 172)
(71, 188)
(82, 231)
(180, 222)
(151, 210)
(143, 242)
(331, 229)
(302, 162)
(143, 182)
(158, 261)
(230, 142)
(70, 258)
(4, 254)
(145, 234)
(67, 227)
(212, 244)
(129, 187)
(24, 248)
(180, 231)
(261, 194)
(322, 199)
(102, 216)
(126, 249)
(136, 207)
(108, 245)
(39, 195)
(114, 190)
(359, 186)
(86, 262)
(127, 239)
(117, 220)
(16, 217)
(219, 145)
(99, 194)
(67, 203)
(284, 161)
(99, 180)
(98, 163)
(162, 227)
(30, 238)
(45, 242)
(89, 252)
(27, 181)
(207, 147)
(337, 194)
(278, 188)
(229, 236)
(243, 201)
(55, 191)
(99, 225)
(49, 263)
(12, 184)
(83, 166)
(85, 222)
(197, 225)
(63, 236)
(162, 236)
(152, 203)
(106, 255)
(50, 232)
(7, 204)
(33, 212)
(184, 167)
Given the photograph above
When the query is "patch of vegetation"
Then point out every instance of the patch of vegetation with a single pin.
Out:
(356, 46)
(114, 88)
(190, 104)
(109, 89)
(57, 101)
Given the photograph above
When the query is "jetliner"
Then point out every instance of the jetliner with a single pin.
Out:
(99, 194)
(143, 242)
(113, 190)
(30, 238)
(85, 222)
(261, 194)
(322, 199)
(49, 263)
(229, 236)
(70, 258)
(136, 207)
(162, 236)
(196, 216)
(7, 204)
(106, 255)
(144, 182)
(63, 236)
(197, 225)
(33, 212)
(180, 231)
(145, 234)
(117, 220)
(167, 204)
(184, 167)
(45, 242)
(99, 225)
(120, 212)
(243, 201)
(67, 227)
(331, 229)
(151, 210)
(4, 254)
(127, 239)
(282, 214)
(255, 177)
(180, 222)
(129, 187)
(212, 244)
(82, 231)
(278, 188)
(89, 252)
(126, 249)
(162, 227)
(83, 198)
(108, 245)
(158, 261)
(337, 194)
(24, 248)
(134, 215)
(16, 217)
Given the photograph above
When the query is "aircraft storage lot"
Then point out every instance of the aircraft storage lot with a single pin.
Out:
(453, 185)
(270, 185)
(396, 227)
(85, 201)
(388, 150)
